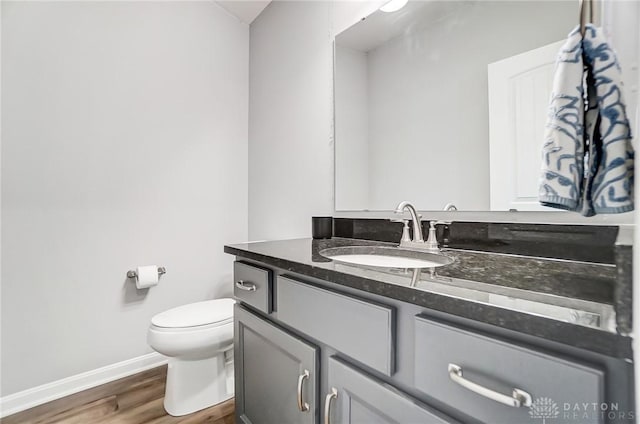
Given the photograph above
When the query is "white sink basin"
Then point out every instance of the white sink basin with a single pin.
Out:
(385, 257)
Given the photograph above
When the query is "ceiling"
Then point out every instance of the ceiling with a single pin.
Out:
(245, 10)
(380, 27)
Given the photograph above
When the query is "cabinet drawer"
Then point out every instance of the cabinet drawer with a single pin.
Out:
(363, 330)
(253, 285)
(356, 398)
(478, 375)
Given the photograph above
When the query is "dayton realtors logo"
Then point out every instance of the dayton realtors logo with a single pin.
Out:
(596, 411)
(544, 408)
(547, 409)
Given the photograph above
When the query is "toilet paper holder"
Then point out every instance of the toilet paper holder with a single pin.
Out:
(132, 274)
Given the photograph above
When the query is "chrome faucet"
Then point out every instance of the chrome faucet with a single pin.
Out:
(431, 245)
(417, 226)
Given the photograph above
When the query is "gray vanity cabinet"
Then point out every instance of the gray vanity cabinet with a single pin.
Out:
(276, 373)
(355, 398)
(307, 353)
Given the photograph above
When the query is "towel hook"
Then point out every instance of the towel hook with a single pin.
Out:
(583, 15)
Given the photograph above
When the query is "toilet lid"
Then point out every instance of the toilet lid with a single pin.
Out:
(195, 314)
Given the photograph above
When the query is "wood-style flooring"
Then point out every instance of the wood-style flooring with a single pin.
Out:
(131, 400)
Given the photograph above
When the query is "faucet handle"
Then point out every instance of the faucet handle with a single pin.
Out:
(432, 241)
(406, 237)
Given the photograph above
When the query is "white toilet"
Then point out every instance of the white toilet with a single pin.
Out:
(198, 338)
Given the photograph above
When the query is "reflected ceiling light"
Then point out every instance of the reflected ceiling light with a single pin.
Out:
(394, 5)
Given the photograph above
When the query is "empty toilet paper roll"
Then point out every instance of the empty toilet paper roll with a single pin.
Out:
(147, 276)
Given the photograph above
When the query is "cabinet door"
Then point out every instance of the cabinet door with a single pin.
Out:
(355, 398)
(276, 373)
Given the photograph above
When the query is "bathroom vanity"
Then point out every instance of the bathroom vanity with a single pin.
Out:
(320, 341)
(521, 323)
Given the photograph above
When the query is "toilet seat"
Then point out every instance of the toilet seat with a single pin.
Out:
(196, 329)
(193, 330)
(195, 316)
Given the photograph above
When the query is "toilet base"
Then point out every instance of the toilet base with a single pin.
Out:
(197, 384)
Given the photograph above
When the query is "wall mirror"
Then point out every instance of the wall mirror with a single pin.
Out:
(445, 102)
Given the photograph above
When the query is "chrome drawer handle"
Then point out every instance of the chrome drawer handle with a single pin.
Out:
(302, 405)
(327, 405)
(246, 286)
(517, 399)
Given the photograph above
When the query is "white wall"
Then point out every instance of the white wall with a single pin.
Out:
(622, 24)
(124, 143)
(290, 152)
(291, 114)
(351, 129)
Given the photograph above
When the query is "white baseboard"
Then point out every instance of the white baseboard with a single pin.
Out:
(57, 389)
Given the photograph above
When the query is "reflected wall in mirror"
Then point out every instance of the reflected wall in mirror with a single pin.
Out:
(445, 102)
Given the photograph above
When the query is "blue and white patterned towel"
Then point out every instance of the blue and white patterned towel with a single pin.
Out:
(587, 162)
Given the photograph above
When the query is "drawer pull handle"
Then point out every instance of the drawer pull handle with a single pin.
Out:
(327, 405)
(517, 399)
(302, 405)
(246, 286)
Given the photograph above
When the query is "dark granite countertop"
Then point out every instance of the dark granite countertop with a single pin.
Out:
(565, 301)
